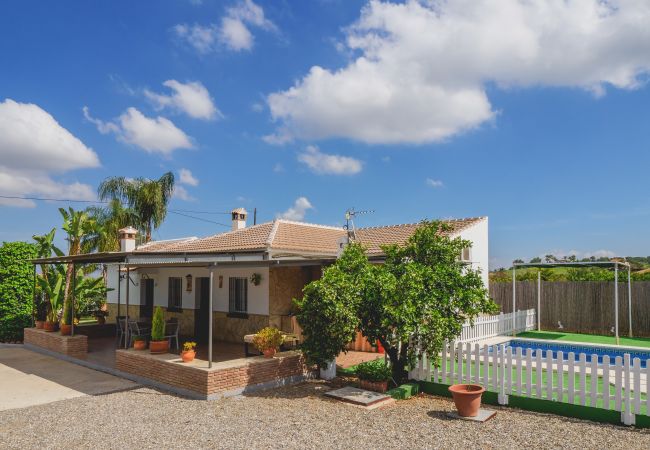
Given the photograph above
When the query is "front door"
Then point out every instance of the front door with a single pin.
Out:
(146, 298)
(201, 313)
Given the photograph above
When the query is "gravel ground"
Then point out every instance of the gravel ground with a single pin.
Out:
(292, 417)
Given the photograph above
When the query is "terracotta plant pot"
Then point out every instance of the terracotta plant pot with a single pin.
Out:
(49, 326)
(139, 345)
(377, 386)
(101, 320)
(40, 324)
(467, 398)
(66, 330)
(159, 346)
(269, 352)
(188, 356)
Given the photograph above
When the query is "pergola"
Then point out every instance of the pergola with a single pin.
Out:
(606, 264)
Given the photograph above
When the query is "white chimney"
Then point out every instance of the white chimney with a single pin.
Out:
(127, 239)
(238, 219)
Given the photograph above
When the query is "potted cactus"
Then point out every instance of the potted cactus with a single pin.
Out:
(158, 343)
(374, 375)
(189, 353)
(268, 340)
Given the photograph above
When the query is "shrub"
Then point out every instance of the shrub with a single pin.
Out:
(268, 338)
(376, 370)
(158, 325)
(16, 289)
(189, 346)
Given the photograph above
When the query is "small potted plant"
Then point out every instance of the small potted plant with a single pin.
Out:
(256, 279)
(268, 340)
(66, 321)
(41, 314)
(374, 375)
(467, 398)
(100, 315)
(139, 343)
(189, 353)
(158, 343)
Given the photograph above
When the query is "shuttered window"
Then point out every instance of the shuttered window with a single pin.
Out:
(238, 295)
(175, 293)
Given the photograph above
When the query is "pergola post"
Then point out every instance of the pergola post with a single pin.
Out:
(616, 302)
(210, 318)
(539, 300)
(34, 298)
(126, 322)
(514, 299)
(119, 291)
(629, 300)
(74, 288)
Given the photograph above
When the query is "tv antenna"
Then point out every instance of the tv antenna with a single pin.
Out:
(350, 214)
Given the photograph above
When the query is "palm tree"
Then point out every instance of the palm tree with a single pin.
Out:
(147, 198)
(81, 229)
(110, 220)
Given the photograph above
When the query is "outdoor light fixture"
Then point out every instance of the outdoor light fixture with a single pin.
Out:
(188, 286)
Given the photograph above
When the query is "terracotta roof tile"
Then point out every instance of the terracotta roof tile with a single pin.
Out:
(296, 236)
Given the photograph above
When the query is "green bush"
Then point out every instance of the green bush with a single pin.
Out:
(376, 370)
(16, 289)
(158, 325)
(268, 338)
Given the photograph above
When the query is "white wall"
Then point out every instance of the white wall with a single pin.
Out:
(479, 256)
(258, 296)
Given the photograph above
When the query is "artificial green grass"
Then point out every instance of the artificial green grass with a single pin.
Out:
(586, 338)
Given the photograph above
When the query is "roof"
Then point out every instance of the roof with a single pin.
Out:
(374, 237)
(290, 237)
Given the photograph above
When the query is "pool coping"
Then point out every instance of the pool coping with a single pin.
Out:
(579, 344)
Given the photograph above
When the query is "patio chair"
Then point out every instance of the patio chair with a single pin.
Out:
(136, 330)
(120, 330)
(171, 331)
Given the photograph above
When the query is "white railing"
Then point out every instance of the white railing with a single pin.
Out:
(618, 384)
(499, 325)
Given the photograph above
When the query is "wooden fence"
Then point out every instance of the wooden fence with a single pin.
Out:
(581, 306)
(620, 384)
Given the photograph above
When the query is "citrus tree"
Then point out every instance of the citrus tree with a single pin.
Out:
(418, 298)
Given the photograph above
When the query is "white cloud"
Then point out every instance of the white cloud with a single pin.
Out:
(233, 31)
(202, 38)
(181, 193)
(154, 135)
(33, 148)
(421, 67)
(322, 163)
(434, 183)
(186, 177)
(191, 98)
(297, 211)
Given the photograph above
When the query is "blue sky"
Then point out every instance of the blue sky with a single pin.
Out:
(541, 128)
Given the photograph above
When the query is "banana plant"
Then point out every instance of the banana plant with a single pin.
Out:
(54, 288)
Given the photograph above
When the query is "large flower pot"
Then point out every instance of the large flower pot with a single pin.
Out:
(139, 345)
(66, 330)
(188, 356)
(49, 326)
(159, 346)
(269, 352)
(40, 324)
(467, 398)
(377, 386)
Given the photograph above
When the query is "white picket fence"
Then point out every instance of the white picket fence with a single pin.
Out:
(499, 369)
(498, 325)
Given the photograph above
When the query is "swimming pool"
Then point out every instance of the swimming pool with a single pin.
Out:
(555, 347)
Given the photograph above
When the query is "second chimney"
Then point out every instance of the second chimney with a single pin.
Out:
(127, 239)
(238, 219)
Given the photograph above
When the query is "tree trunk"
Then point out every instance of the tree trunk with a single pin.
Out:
(397, 360)
(66, 294)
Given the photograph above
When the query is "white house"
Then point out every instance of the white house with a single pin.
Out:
(256, 271)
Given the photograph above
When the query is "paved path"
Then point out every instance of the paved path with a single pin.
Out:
(29, 378)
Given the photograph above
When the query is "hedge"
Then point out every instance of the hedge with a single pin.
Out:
(16, 289)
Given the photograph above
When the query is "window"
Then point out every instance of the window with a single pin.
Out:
(466, 255)
(175, 296)
(238, 295)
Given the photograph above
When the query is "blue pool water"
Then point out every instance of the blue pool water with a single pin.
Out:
(556, 347)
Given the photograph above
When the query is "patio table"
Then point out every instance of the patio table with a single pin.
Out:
(290, 341)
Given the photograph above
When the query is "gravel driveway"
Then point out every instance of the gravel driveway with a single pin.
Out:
(293, 417)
